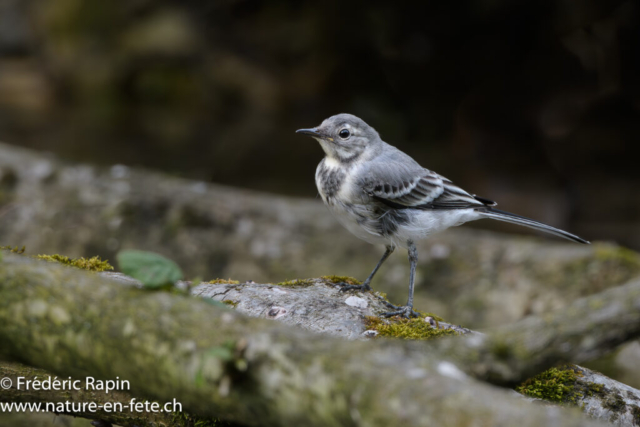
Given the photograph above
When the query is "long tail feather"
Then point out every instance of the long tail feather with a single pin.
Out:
(527, 222)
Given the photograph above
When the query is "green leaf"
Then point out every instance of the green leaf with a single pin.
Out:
(221, 352)
(152, 269)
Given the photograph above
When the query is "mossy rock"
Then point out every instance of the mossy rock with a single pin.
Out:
(230, 303)
(296, 283)
(14, 250)
(224, 282)
(90, 264)
(411, 329)
(342, 279)
(331, 279)
(554, 385)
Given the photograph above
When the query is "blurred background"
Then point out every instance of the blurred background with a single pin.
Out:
(534, 103)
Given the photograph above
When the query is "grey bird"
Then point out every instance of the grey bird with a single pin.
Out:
(383, 196)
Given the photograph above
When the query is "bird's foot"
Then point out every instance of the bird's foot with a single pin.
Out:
(344, 287)
(402, 311)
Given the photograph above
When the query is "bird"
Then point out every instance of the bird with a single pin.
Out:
(383, 196)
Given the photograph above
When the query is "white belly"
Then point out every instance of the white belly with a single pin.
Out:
(352, 222)
(419, 224)
(425, 223)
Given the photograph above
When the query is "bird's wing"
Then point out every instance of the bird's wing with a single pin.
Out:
(401, 186)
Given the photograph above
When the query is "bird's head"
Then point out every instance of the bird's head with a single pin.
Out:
(344, 137)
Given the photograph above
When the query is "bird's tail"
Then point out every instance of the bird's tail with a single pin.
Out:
(499, 215)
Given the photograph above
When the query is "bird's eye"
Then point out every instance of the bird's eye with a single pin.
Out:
(344, 133)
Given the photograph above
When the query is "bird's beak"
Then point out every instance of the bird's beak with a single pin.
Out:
(310, 132)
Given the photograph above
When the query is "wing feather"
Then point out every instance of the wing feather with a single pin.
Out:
(418, 189)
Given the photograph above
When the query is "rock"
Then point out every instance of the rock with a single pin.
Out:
(467, 276)
(220, 363)
(608, 399)
(315, 304)
(356, 302)
(476, 277)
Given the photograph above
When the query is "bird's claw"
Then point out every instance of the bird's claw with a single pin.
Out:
(404, 311)
(344, 287)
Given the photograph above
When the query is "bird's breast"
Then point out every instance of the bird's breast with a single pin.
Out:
(330, 180)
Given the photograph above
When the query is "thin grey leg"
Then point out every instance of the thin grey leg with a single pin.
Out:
(366, 285)
(407, 310)
(413, 260)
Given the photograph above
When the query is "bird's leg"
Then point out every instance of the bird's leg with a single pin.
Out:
(413, 261)
(407, 311)
(365, 286)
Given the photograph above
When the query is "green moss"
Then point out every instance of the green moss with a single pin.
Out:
(555, 385)
(562, 385)
(412, 329)
(615, 403)
(232, 303)
(224, 282)
(594, 389)
(91, 264)
(342, 279)
(15, 249)
(635, 412)
(296, 283)
(332, 279)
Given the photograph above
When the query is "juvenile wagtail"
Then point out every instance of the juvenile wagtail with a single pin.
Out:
(383, 196)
